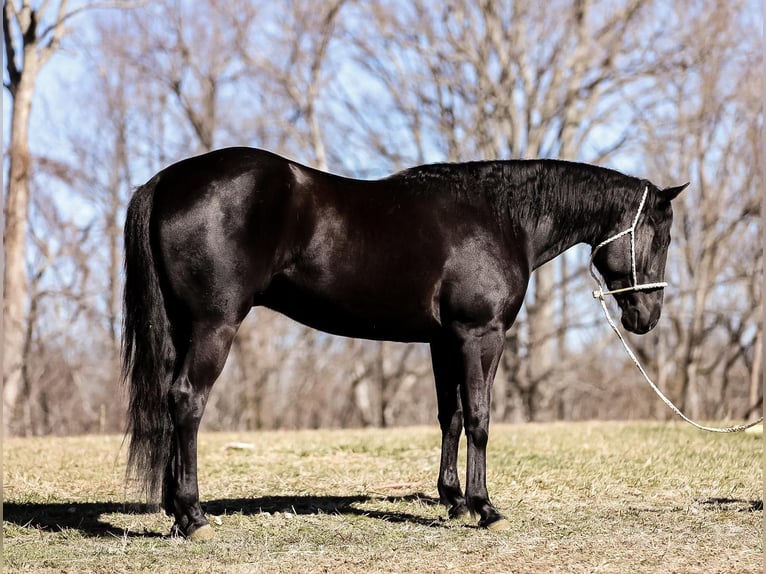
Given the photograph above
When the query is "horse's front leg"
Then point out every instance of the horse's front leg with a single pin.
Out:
(480, 352)
(447, 378)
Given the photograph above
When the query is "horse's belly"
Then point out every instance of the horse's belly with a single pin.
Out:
(351, 309)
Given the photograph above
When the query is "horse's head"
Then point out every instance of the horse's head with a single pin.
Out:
(631, 258)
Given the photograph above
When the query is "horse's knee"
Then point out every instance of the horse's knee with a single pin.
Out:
(476, 431)
(186, 402)
(180, 391)
(479, 437)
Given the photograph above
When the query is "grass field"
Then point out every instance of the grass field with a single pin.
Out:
(585, 497)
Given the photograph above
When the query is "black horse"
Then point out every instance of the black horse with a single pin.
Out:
(440, 254)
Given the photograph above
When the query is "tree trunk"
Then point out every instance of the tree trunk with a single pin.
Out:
(383, 383)
(756, 376)
(542, 330)
(14, 238)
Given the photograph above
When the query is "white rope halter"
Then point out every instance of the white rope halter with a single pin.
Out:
(601, 294)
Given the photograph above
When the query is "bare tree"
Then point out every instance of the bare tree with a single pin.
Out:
(32, 34)
(297, 76)
(717, 262)
(26, 49)
(58, 281)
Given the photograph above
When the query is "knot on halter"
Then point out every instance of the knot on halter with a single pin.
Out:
(601, 292)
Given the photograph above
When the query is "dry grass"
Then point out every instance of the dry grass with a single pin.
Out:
(591, 497)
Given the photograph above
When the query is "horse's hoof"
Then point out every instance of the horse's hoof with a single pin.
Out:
(204, 532)
(499, 525)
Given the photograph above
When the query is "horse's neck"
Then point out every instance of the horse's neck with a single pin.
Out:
(546, 241)
(553, 204)
(565, 223)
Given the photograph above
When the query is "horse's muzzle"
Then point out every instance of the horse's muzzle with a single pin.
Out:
(640, 311)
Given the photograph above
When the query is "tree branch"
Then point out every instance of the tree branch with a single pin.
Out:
(14, 75)
(64, 16)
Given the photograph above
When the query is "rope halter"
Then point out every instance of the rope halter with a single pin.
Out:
(601, 292)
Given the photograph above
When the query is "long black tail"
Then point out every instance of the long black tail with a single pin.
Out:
(148, 351)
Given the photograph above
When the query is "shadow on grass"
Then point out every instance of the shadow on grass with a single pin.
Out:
(732, 504)
(344, 505)
(86, 517)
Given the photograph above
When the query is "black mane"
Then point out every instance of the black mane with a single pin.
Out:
(530, 190)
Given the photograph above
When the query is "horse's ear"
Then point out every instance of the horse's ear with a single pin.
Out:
(670, 193)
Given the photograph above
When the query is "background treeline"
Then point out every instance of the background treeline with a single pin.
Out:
(100, 95)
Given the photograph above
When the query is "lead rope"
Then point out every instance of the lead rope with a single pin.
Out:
(601, 294)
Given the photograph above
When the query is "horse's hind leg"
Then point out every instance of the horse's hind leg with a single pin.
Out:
(208, 347)
(446, 376)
